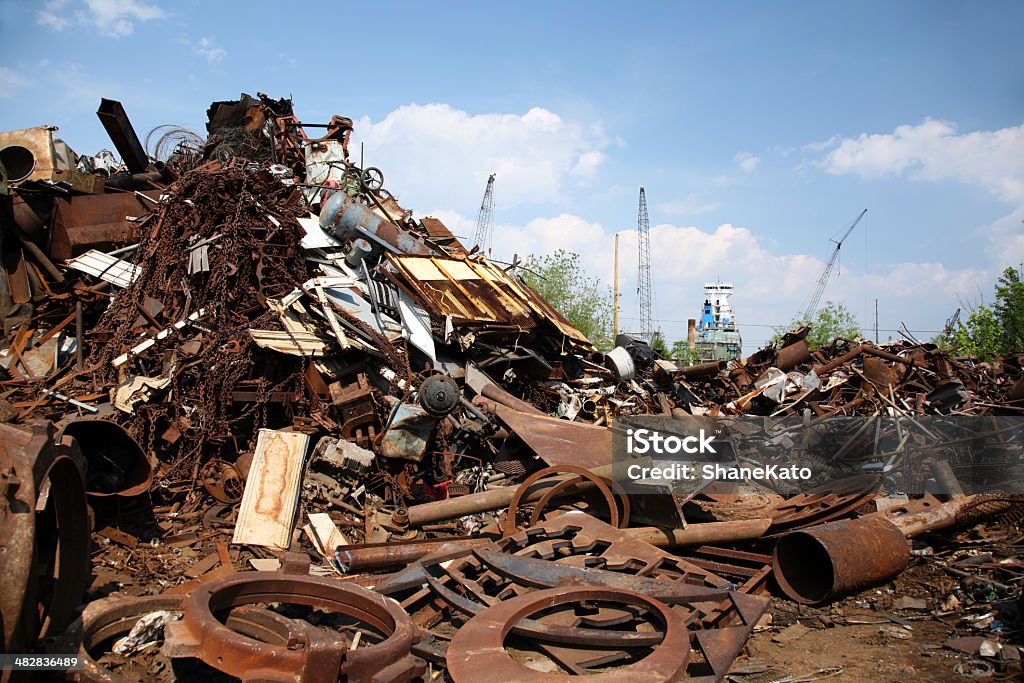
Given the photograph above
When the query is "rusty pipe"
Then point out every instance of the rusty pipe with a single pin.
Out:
(793, 355)
(703, 370)
(499, 395)
(823, 562)
(700, 534)
(355, 559)
(486, 501)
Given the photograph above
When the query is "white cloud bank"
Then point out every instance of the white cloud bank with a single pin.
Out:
(111, 18)
(435, 153)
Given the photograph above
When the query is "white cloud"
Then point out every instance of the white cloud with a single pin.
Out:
(112, 18)
(771, 288)
(689, 206)
(51, 15)
(435, 154)
(208, 49)
(10, 81)
(748, 162)
(934, 151)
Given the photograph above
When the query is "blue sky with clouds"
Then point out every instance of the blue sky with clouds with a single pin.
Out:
(758, 129)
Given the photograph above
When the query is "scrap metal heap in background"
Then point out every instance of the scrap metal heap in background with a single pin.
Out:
(246, 354)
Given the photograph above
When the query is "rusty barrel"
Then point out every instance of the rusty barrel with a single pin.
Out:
(818, 564)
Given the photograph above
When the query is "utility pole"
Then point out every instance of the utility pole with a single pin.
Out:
(485, 219)
(615, 289)
(644, 241)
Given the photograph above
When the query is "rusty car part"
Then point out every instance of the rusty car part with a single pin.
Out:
(819, 563)
(320, 657)
(477, 652)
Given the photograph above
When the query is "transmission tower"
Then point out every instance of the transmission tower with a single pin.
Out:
(644, 241)
(485, 219)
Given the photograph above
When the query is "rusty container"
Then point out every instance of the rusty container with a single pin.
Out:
(821, 563)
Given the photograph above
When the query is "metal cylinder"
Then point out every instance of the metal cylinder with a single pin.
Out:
(620, 362)
(704, 370)
(823, 562)
(793, 355)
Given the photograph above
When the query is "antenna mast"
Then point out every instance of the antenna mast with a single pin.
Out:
(644, 241)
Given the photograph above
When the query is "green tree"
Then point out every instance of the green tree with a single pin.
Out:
(658, 343)
(1009, 311)
(981, 336)
(831, 321)
(584, 301)
(683, 355)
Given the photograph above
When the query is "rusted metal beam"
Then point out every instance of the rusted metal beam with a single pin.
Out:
(115, 120)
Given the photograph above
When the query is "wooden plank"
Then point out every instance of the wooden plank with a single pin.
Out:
(271, 495)
(323, 533)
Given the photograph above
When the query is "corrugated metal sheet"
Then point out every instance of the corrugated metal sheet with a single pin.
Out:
(106, 267)
(478, 291)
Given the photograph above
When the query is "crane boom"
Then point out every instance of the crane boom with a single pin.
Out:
(815, 298)
(485, 219)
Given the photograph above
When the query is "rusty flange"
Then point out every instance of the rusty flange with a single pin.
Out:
(317, 656)
(477, 652)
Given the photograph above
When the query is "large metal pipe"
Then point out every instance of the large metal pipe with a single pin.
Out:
(821, 563)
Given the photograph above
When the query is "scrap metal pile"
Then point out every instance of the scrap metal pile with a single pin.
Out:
(315, 437)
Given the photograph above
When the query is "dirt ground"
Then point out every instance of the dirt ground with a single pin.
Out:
(881, 652)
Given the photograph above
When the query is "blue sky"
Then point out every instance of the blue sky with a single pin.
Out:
(758, 129)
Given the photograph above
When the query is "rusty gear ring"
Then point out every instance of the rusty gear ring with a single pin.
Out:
(477, 652)
(509, 526)
(324, 658)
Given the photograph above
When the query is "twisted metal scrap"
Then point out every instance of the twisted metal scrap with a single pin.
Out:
(230, 209)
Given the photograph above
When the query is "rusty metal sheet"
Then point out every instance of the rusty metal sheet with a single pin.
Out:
(96, 222)
(478, 291)
(560, 442)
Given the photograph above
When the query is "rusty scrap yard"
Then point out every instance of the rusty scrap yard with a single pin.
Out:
(259, 421)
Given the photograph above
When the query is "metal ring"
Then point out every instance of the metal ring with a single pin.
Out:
(477, 652)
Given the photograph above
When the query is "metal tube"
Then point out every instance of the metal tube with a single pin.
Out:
(702, 370)
(700, 534)
(821, 563)
(486, 501)
(793, 355)
(355, 559)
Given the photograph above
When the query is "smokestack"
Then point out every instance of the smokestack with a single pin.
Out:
(691, 333)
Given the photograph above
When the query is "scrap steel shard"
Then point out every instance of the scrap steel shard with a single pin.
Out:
(298, 432)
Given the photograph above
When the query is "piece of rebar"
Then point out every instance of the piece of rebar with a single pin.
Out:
(79, 335)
